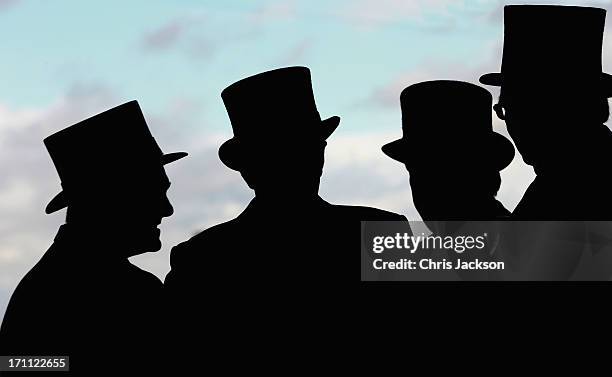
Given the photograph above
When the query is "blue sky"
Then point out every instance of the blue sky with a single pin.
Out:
(164, 51)
(65, 60)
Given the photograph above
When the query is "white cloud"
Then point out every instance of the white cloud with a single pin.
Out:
(357, 172)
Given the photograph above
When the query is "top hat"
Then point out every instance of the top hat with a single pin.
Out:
(269, 108)
(115, 144)
(554, 45)
(448, 122)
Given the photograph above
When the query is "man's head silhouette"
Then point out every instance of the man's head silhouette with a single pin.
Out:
(450, 150)
(279, 137)
(551, 80)
(113, 179)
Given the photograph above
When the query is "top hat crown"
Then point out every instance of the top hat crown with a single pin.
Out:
(450, 116)
(556, 45)
(114, 144)
(272, 106)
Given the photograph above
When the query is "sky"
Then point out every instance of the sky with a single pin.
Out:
(65, 60)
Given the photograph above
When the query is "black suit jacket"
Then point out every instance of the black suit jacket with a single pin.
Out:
(82, 302)
(316, 246)
(262, 281)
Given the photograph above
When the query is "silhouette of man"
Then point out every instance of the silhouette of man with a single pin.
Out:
(554, 101)
(84, 296)
(288, 240)
(451, 152)
(454, 159)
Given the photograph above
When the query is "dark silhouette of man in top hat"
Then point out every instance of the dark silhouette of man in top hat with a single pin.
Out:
(84, 299)
(289, 242)
(453, 158)
(451, 152)
(554, 101)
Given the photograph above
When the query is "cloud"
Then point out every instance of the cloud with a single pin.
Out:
(200, 47)
(4, 4)
(439, 16)
(357, 172)
(387, 95)
(372, 13)
(164, 37)
(274, 11)
(185, 34)
(296, 54)
(197, 36)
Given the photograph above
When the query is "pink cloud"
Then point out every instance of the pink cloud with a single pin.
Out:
(7, 3)
(183, 34)
(164, 37)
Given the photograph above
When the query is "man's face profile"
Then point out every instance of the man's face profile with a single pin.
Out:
(133, 212)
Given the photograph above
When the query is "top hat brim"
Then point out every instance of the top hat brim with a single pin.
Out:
(60, 200)
(230, 152)
(499, 151)
(171, 157)
(497, 79)
(491, 79)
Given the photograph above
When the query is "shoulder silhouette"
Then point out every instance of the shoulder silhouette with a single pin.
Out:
(554, 102)
(84, 296)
